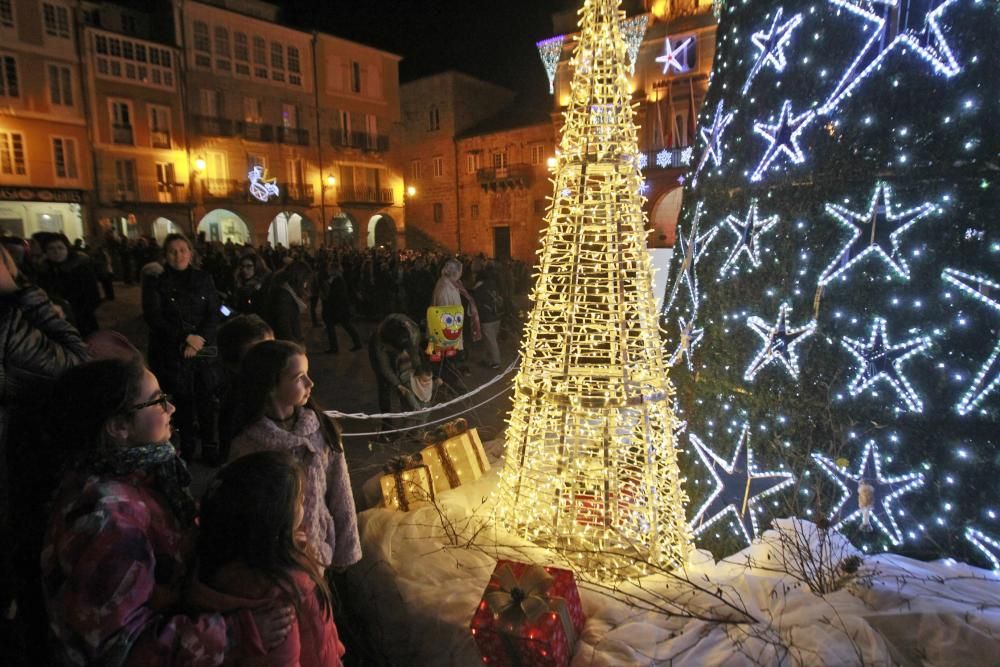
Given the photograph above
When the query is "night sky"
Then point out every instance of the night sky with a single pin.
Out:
(490, 39)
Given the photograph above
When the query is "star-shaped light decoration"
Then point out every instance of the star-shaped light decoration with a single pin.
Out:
(772, 43)
(671, 57)
(783, 137)
(779, 343)
(689, 339)
(748, 232)
(913, 26)
(691, 249)
(874, 232)
(989, 547)
(879, 360)
(739, 487)
(987, 378)
(868, 494)
(712, 136)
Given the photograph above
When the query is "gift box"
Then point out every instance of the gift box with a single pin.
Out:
(529, 616)
(406, 484)
(591, 507)
(457, 460)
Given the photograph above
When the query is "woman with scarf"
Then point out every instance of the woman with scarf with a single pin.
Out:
(288, 301)
(121, 533)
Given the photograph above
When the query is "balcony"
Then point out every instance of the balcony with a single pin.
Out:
(255, 131)
(360, 140)
(120, 193)
(160, 139)
(361, 194)
(210, 126)
(223, 189)
(294, 136)
(297, 193)
(170, 193)
(122, 134)
(668, 158)
(506, 178)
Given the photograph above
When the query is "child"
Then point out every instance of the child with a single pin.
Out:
(249, 559)
(277, 413)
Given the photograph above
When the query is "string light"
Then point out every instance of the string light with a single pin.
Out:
(689, 339)
(988, 546)
(987, 378)
(748, 232)
(779, 343)
(691, 251)
(671, 59)
(712, 136)
(783, 137)
(550, 51)
(772, 45)
(634, 31)
(879, 360)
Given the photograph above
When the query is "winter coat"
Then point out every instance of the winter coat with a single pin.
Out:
(384, 357)
(488, 300)
(336, 298)
(283, 313)
(249, 294)
(331, 522)
(113, 569)
(312, 641)
(176, 304)
(75, 281)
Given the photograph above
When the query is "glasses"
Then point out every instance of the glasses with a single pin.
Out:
(161, 400)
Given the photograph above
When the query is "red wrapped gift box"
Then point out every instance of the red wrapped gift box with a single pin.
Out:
(529, 616)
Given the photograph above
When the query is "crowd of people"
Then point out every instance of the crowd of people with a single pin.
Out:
(108, 558)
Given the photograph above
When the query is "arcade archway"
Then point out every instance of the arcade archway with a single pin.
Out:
(291, 229)
(224, 226)
(664, 217)
(381, 231)
(162, 227)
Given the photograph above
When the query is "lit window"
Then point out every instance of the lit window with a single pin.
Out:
(12, 160)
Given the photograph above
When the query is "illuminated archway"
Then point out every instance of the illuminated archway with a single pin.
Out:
(664, 219)
(223, 226)
(381, 231)
(164, 226)
(342, 230)
(291, 229)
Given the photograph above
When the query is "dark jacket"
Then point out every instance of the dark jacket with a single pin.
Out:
(284, 314)
(336, 298)
(75, 281)
(488, 299)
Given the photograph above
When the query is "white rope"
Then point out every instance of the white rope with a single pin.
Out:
(401, 415)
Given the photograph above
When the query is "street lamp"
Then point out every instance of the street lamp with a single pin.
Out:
(331, 181)
(199, 165)
(411, 191)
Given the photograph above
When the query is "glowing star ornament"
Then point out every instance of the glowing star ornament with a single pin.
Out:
(739, 487)
(875, 232)
(691, 247)
(878, 360)
(882, 492)
(748, 232)
(987, 378)
(689, 339)
(712, 136)
(989, 547)
(674, 58)
(550, 51)
(912, 26)
(771, 44)
(779, 343)
(783, 137)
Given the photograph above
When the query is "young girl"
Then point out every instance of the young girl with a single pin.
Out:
(277, 414)
(249, 558)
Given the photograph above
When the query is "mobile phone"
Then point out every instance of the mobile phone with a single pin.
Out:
(225, 310)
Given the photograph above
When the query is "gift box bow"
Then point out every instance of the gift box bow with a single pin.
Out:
(525, 598)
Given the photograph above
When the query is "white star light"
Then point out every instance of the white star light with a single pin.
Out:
(887, 490)
(642, 160)
(712, 136)
(690, 337)
(987, 379)
(670, 57)
(925, 39)
(772, 45)
(748, 232)
(740, 493)
(879, 360)
(870, 236)
(784, 138)
(987, 545)
(779, 343)
(691, 249)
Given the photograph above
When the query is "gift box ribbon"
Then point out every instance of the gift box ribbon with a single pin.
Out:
(525, 598)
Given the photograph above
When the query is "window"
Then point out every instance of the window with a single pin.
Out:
(12, 160)
(415, 170)
(259, 57)
(472, 163)
(499, 159)
(253, 110)
(474, 212)
(8, 77)
(241, 50)
(438, 212)
(434, 117)
(159, 126)
(289, 116)
(60, 85)
(202, 45)
(64, 157)
(437, 163)
(6, 14)
(294, 67)
(355, 77)
(371, 130)
(277, 61)
(165, 180)
(211, 103)
(125, 179)
(56, 20)
(121, 122)
(122, 58)
(345, 127)
(537, 153)
(222, 52)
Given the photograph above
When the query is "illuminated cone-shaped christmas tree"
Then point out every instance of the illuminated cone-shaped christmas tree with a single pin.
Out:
(591, 467)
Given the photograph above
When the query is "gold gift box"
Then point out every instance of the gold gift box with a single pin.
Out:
(407, 489)
(458, 460)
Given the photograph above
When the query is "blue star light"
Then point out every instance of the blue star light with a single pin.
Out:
(691, 250)
(887, 490)
(871, 235)
(747, 233)
(989, 547)
(712, 136)
(690, 337)
(987, 379)
(739, 487)
(779, 343)
(912, 26)
(772, 45)
(671, 57)
(784, 138)
(879, 360)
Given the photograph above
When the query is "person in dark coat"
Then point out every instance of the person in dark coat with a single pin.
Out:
(36, 345)
(337, 305)
(489, 301)
(251, 283)
(288, 301)
(236, 337)
(70, 275)
(181, 307)
(397, 335)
